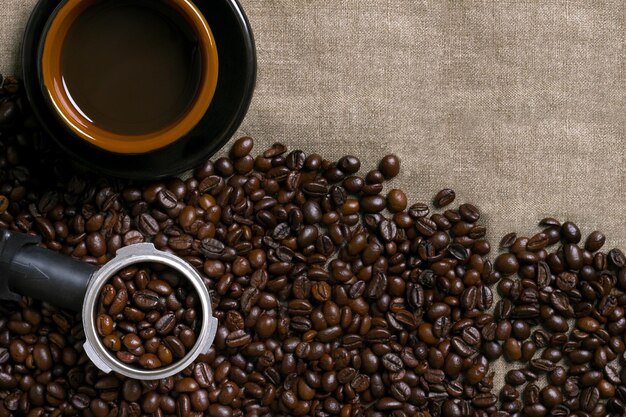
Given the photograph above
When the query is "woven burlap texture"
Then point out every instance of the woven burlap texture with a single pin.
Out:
(518, 105)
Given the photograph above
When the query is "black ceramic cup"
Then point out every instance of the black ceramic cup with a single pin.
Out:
(229, 104)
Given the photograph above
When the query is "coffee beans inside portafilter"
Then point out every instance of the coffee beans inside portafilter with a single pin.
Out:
(334, 297)
(148, 316)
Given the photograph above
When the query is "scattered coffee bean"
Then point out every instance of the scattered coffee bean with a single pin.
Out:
(396, 200)
(444, 197)
(389, 166)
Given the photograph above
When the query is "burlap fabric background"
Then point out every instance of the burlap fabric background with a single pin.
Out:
(518, 105)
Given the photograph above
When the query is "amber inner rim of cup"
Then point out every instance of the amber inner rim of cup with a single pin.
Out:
(52, 79)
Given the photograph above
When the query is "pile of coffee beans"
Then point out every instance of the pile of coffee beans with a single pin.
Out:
(561, 317)
(334, 297)
(148, 316)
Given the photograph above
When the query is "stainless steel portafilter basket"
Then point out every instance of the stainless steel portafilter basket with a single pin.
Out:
(142, 253)
(28, 269)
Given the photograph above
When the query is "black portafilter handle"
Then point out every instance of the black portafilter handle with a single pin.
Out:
(28, 269)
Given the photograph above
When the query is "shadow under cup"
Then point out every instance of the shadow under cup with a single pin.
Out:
(129, 76)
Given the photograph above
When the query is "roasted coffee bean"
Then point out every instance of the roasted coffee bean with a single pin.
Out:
(147, 224)
(242, 147)
(542, 365)
(458, 252)
(426, 227)
(589, 398)
(349, 164)
(515, 377)
(167, 199)
(549, 221)
(401, 391)
(418, 210)
(462, 348)
(471, 336)
(595, 241)
(570, 232)
(508, 240)
(506, 264)
(444, 197)
(573, 256)
(392, 362)
(476, 373)
(104, 324)
(165, 324)
(119, 302)
(469, 212)
(237, 339)
(484, 400)
(396, 200)
(611, 375)
(617, 258)
(373, 204)
(538, 242)
(145, 299)
(389, 166)
(544, 275)
(566, 281)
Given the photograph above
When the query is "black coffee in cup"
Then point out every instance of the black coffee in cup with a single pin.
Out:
(131, 67)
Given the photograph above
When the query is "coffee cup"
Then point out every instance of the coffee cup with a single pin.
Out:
(139, 89)
(129, 76)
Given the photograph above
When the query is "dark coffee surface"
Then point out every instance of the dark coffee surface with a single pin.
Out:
(129, 66)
